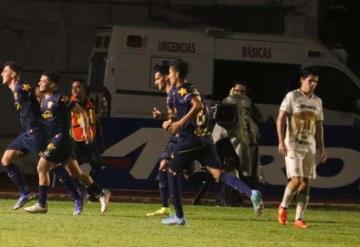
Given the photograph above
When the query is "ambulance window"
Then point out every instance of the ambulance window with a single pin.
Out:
(98, 41)
(106, 41)
(337, 90)
(97, 71)
(134, 41)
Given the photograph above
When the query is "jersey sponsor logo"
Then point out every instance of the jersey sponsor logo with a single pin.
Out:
(310, 107)
(47, 114)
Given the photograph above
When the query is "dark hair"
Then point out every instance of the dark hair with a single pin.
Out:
(307, 71)
(181, 66)
(81, 82)
(16, 67)
(162, 68)
(52, 76)
(241, 82)
(83, 85)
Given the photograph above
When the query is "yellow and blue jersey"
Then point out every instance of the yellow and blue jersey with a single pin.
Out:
(180, 100)
(27, 106)
(56, 113)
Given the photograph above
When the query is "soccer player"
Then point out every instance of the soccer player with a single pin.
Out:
(191, 127)
(32, 137)
(163, 84)
(300, 130)
(55, 112)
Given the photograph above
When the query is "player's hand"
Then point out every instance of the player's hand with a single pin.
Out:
(175, 127)
(156, 113)
(89, 138)
(282, 149)
(323, 155)
(164, 165)
(166, 124)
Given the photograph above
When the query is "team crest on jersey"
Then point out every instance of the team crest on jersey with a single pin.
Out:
(182, 91)
(26, 87)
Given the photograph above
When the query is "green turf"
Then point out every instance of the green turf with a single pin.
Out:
(125, 224)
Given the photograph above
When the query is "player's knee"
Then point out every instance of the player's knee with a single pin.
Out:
(6, 159)
(295, 182)
(41, 169)
(215, 173)
(303, 186)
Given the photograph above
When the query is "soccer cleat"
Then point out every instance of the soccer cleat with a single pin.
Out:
(256, 200)
(23, 199)
(78, 207)
(104, 200)
(282, 215)
(301, 224)
(173, 220)
(163, 211)
(36, 209)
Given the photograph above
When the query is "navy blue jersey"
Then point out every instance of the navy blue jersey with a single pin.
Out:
(27, 106)
(55, 112)
(180, 100)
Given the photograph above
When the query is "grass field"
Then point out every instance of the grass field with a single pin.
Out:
(125, 224)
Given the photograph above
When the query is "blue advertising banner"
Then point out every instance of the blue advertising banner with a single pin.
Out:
(133, 147)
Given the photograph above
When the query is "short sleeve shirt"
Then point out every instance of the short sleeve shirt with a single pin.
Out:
(55, 112)
(27, 106)
(302, 114)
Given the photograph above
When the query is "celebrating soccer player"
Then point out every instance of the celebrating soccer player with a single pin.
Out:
(192, 130)
(55, 112)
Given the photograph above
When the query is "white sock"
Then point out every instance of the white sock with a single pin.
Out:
(302, 200)
(288, 196)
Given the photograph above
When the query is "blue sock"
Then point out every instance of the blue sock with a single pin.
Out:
(17, 178)
(43, 195)
(235, 183)
(175, 187)
(66, 179)
(163, 188)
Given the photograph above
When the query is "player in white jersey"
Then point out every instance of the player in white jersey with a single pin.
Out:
(299, 128)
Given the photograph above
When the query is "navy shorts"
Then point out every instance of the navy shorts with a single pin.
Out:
(31, 141)
(169, 149)
(60, 149)
(206, 154)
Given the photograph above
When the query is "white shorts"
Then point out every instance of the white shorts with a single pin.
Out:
(300, 164)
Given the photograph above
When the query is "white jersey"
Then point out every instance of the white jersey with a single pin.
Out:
(302, 114)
